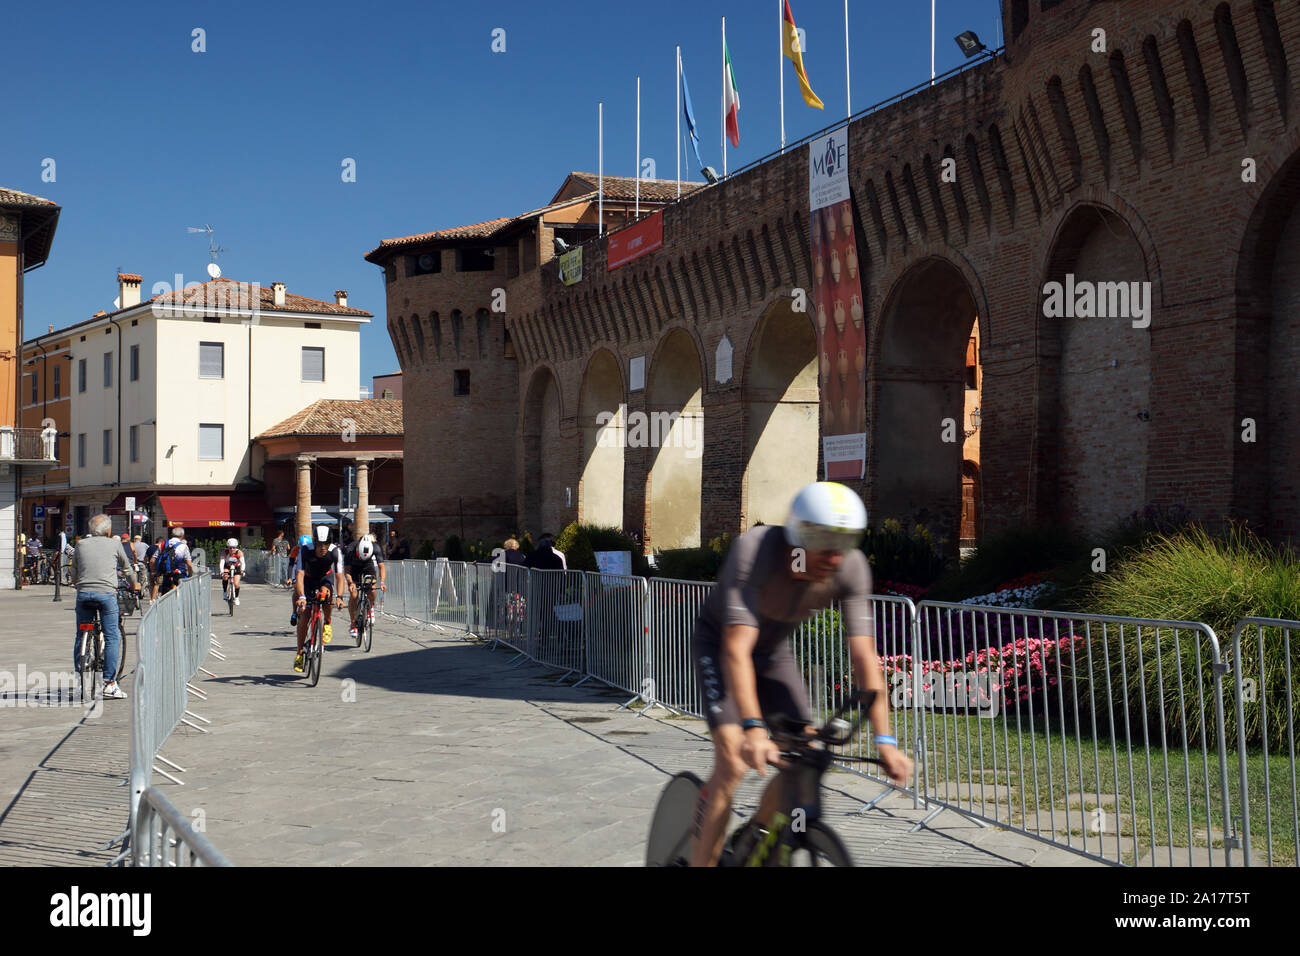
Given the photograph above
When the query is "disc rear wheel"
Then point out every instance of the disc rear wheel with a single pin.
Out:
(669, 843)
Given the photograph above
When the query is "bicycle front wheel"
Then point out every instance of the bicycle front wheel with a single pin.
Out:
(819, 846)
(367, 632)
(669, 843)
(313, 661)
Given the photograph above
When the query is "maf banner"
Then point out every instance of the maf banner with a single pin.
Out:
(837, 298)
(571, 266)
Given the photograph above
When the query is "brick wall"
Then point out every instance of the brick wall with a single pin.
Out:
(1145, 141)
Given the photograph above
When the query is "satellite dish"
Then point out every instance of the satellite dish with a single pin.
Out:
(214, 270)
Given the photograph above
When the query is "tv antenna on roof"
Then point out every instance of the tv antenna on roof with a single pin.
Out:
(214, 250)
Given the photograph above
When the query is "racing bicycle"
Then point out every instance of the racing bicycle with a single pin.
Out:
(798, 836)
(315, 644)
(366, 613)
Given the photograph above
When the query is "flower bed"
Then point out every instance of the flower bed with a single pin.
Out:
(1012, 596)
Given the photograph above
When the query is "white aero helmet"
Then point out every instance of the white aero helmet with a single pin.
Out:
(323, 533)
(826, 516)
(365, 549)
(232, 542)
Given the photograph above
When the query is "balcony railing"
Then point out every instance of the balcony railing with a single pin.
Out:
(22, 445)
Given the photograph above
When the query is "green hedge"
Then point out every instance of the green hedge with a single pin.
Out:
(580, 542)
(1217, 580)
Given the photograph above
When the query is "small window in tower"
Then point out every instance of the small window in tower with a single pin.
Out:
(475, 260)
(425, 263)
(462, 381)
(972, 362)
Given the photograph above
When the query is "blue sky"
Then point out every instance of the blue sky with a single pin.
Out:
(149, 137)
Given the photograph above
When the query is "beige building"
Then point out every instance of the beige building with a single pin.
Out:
(167, 395)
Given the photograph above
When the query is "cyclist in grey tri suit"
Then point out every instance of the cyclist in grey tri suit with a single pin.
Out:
(773, 579)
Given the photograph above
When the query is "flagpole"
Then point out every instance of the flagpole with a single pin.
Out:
(638, 147)
(724, 96)
(600, 174)
(780, 67)
(932, 42)
(678, 150)
(848, 89)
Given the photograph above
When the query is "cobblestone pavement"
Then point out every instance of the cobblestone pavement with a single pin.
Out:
(429, 750)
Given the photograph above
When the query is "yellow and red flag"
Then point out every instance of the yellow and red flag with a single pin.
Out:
(790, 46)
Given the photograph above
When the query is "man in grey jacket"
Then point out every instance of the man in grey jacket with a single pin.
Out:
(95, 564)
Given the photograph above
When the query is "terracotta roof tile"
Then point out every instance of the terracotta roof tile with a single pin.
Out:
(331, 416)
(12, 197)
(624, 187)
(228, 290)
(129, 277)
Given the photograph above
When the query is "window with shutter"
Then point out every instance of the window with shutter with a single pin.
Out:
(81, 450)
(108, 369)
(108, 446)
(313, 364)
(135, 363)
(58, 382)
(35, 387)
(211, 442)
(81, 375)
(212, 360)
(135, 442)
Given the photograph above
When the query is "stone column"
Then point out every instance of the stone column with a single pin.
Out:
(304, 494)
(361, 517)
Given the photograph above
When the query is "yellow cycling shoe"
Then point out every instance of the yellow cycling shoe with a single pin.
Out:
(327, 633)
(297, 663)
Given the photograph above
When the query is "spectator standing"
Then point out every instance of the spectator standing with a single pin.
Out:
(139, 547)
(544, 556)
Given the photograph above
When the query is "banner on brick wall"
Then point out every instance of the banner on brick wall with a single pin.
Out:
(571, 266)
(636, 240)
(837, 298)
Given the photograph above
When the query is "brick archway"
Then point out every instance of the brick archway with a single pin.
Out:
(602, 429)
(917, 399)
(672, 427)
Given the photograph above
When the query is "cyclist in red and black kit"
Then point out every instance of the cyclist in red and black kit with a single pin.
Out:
(320, 567)
(773, 579)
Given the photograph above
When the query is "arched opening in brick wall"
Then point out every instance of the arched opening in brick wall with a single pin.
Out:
(1095, 387)
(1266, 471)
(781, 413)
(673, 429)
(543, 458)
(915, 446)
(601, 422)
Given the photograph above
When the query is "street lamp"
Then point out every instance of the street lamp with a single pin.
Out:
(970, 44)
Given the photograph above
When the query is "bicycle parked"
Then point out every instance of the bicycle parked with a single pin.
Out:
(797, 835)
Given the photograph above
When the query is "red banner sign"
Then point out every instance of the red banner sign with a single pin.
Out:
(634, 241)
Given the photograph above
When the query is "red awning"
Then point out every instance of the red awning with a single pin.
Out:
(215, 511)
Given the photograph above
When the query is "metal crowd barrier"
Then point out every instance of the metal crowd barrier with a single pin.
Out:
(163, 837)
(1028, 722)
(174, 640)
(1111, 737)
(1264, 712)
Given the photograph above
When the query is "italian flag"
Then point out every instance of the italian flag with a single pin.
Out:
(730, 98)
